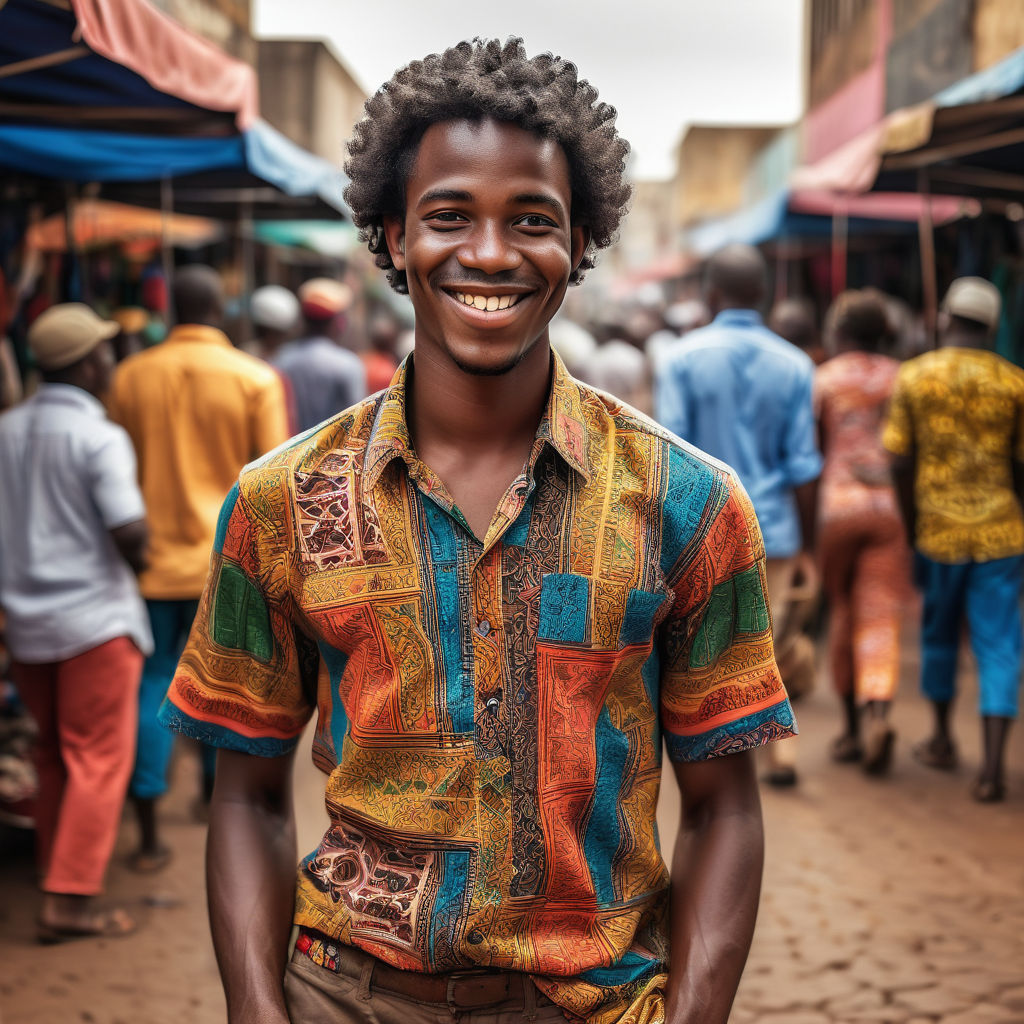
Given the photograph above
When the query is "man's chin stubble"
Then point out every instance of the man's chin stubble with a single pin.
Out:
(490, 371)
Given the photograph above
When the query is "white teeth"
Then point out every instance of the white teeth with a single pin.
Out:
(487, 302)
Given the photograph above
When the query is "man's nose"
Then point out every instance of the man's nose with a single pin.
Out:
(489, 249)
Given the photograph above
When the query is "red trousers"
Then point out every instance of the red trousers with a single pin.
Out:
(86, 709)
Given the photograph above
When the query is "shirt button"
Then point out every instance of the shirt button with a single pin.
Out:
(493, 704)
(483, 627)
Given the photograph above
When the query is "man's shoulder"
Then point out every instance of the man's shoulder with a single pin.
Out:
(635, 430)
(335, 448)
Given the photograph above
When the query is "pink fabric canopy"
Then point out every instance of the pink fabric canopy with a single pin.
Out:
(880, 205)
(168, 56)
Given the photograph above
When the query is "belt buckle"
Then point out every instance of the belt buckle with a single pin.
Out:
(474, 990)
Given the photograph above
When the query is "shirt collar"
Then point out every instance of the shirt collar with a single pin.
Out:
(198, 332)
(563, 425)
(738, 317)
(68, 394)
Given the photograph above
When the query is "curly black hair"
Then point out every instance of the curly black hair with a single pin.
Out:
(481, 79)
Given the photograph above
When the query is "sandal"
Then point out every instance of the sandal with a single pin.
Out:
(846, 749)
(103, 924)
(938, 755)
(989, 791)
(878, 749)
(149, 862)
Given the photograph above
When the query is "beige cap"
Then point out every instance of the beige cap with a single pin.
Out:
(323, 298)
(66, 333)
(974, 298)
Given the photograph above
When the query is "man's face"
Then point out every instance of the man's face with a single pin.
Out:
(486, 242)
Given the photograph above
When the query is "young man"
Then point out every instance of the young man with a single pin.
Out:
(741, 393)
(490, 581)
(72, 536)
(956, 434)
(197, 410)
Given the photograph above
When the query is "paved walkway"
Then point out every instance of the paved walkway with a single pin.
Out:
(896, 901)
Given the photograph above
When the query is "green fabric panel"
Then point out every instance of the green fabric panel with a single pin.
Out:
(716, 631)
(751, 608)
(240, 617)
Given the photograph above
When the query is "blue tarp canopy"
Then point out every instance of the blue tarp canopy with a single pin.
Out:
(772, 220)
(130, 167)
(175, 109)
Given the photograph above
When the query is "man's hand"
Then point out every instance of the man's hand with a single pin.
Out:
(716, 885)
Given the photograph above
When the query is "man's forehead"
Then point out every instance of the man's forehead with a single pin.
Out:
(464, 146)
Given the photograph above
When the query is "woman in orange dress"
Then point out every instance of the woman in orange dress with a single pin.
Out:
(862, 547)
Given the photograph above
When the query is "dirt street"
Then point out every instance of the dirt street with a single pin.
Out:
(885, 901)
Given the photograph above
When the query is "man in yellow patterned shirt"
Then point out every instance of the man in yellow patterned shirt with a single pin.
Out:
(956, 434)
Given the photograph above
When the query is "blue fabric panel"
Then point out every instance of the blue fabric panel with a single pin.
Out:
(601, 841)
(448, 905)
(564, 607)
(444, 547)
(651, 675)
(755, 730)
(638, 622)
(689, 487)
(225, 739)
(632, 967)
(335, 661)
(225, 515)
(518, 533)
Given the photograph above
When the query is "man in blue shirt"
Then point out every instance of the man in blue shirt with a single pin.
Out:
(742, 394)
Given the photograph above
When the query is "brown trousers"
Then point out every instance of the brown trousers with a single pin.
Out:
(316, 995)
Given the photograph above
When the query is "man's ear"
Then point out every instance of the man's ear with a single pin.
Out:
(394, 235)
(579, 236)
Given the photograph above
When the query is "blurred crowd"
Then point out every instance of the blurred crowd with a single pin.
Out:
(877, 471)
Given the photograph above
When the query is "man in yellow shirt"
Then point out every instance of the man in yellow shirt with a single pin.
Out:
(197, 411)
(956, 434)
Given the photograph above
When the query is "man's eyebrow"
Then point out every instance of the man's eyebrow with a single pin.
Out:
(445, 195)
(542, 198)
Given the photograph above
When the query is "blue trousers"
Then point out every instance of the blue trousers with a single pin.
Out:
(170, 622)
(988, 595)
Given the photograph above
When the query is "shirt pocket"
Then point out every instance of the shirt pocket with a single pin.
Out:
(591, 613)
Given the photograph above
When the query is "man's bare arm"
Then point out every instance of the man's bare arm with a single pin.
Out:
(716, 885)
(904, 469)
(250, 876)
(132, 543)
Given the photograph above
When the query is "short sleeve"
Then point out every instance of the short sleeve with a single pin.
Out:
(898, 430)
(269, 416)
(801, 459)
(112, 479)
(1018, 439)
(721, 691)
(247, 678)
(669, 396)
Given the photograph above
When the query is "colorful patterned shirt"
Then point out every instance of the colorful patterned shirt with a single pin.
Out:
(490, 713)
(961, 412)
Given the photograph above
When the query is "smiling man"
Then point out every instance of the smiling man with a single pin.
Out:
(499, 590)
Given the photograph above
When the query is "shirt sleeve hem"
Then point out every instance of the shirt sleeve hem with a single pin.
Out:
(756, 730)
(804, 469)
(172, 717)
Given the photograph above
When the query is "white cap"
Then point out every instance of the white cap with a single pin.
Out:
(974, 298)
(274, 307)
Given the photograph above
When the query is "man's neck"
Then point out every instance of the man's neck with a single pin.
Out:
(478, 414)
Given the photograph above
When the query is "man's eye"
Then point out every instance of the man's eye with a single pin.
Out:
(536, 220)
(448, 216)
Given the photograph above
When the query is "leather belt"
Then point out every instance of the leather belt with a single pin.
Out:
(470, 989)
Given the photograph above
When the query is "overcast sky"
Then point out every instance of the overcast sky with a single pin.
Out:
(662, 64)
